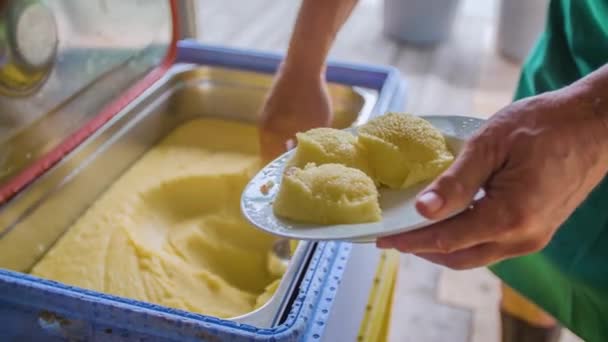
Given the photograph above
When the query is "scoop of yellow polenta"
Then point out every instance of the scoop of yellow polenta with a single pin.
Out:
(404, 149)
(329, 146)
(327, 194)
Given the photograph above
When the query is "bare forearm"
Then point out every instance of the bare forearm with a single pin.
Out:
(316, 28)
(589, 98)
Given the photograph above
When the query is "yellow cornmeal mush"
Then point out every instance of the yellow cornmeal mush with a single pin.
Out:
(170, 230)
(404, 149)
(327, 194)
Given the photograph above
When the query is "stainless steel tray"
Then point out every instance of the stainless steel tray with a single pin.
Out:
(33, 221)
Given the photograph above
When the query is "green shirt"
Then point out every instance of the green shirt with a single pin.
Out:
(569, 278)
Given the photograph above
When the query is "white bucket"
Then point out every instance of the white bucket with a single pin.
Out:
(520, 24)
(423, 22)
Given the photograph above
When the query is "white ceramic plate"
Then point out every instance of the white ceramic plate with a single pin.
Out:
(399, 214)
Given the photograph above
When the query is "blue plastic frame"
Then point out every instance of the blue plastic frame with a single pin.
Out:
(35, 309)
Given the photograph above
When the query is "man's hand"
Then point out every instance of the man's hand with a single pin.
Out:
(297, 102)
(536, 159)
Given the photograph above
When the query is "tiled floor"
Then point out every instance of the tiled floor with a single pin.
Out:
(464, 75)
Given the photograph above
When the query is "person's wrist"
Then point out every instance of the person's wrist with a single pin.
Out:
(597, 101)
(589, 100)
(591, 94)
(302, 70)
(586, 99)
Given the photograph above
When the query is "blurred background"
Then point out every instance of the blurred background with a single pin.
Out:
(459, 57)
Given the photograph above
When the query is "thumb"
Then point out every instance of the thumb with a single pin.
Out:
(454, 190)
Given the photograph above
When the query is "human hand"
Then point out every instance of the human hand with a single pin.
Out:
(298, 101)
(537, 160)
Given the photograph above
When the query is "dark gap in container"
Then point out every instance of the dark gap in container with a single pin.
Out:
(295, 294)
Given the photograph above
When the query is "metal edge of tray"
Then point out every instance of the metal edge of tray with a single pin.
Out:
(266, 315)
